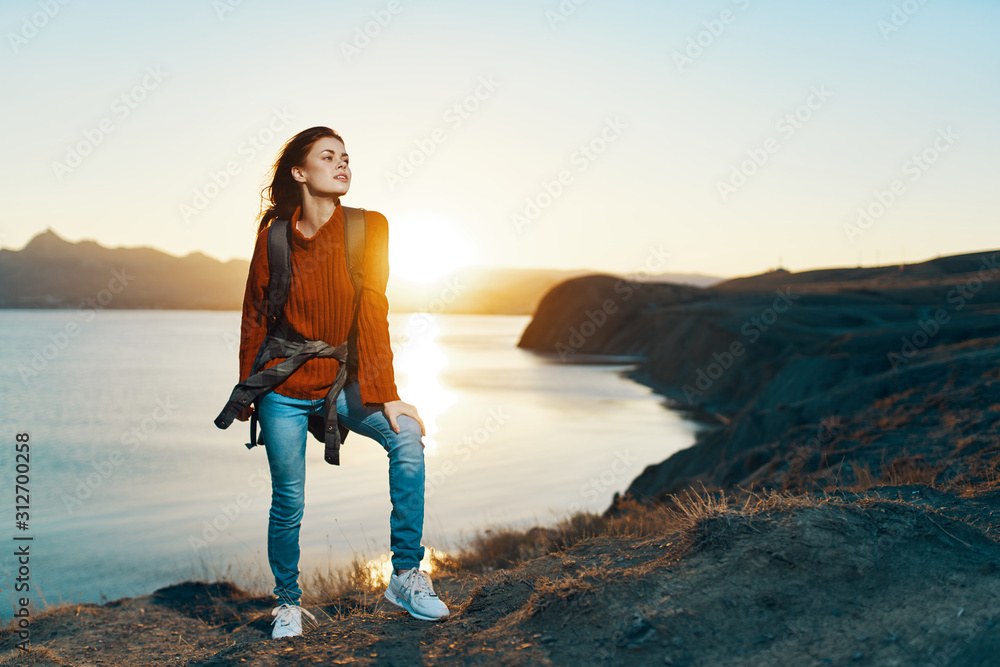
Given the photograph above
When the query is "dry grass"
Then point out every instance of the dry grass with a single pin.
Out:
(864, 479)
(693, 518)
(38, 655)
(980, 475)
(501, 548)
(344, 590)
(911, 470)
(901, 471)
(696, 518)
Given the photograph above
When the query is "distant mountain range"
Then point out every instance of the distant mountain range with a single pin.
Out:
(51, 272)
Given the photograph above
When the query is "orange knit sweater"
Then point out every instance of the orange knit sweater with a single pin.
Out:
(320, 301)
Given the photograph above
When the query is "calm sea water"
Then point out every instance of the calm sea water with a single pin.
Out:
(132, 487)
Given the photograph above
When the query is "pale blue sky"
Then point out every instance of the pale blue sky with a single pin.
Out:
(681, 129)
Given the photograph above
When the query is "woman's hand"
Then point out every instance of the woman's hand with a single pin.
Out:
(394, 409)
(244, 414)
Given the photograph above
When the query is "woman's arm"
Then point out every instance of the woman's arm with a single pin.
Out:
(375, 371)
(253, 325)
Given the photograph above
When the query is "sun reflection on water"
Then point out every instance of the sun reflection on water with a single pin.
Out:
(419, 360)
(379, 570)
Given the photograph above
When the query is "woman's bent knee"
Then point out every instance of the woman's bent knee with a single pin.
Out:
(409, 430)
(406, 445)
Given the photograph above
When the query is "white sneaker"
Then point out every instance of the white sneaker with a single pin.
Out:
(413, 592)
(288, 621)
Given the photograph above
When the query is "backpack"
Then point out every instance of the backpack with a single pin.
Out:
(279, 262)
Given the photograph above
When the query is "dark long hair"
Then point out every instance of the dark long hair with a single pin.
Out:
(283, 195)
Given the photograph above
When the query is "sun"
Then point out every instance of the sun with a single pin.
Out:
(426, 247)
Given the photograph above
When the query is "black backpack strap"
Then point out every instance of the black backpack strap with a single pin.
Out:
(279, 260)
(279, 264)
(355, 245)
(355, 232)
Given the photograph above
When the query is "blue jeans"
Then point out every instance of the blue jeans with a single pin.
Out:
(284, 424)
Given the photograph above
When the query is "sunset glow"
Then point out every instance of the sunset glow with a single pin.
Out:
(426, 248)
(420, 360)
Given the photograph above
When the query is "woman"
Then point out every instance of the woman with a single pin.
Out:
(309, 177)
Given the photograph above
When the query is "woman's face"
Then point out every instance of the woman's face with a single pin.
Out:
(326, 171)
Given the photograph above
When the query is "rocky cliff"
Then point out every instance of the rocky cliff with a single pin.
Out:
(813, 378)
